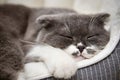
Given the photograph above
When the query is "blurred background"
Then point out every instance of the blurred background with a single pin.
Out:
(82, 6)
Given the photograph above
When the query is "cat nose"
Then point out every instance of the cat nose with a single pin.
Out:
(81, 48)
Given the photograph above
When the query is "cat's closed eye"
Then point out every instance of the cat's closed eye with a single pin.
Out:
(66, 36)
(91, 37)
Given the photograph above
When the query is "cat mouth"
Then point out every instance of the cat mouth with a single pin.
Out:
(81, 57)
(84, 55)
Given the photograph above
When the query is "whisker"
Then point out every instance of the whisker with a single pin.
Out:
(68, 28)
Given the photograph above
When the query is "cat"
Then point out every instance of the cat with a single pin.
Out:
(13, 24)
(59, 63)
(75, 34)
(17, 24)
(71, 32)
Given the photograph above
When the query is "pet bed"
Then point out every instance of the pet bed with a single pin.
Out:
(103, 66)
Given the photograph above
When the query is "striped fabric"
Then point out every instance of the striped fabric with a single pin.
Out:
(107, 69)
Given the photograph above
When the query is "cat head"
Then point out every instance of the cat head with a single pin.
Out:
(74, 33)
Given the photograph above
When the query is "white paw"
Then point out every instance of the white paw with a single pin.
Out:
(35, 70)
(61, 65)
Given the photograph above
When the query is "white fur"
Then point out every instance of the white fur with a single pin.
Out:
(21, 76)
(35, 70)
(91, 47)
(72, 49)
(80, 44)
(88, 55)
(59, 63)
(107, 28)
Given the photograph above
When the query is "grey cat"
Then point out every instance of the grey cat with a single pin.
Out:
(67, 29)
(60, 28)
(76, 34)
(73, 33)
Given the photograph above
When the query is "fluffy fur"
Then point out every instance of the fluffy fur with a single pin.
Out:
(53, 27)
(13, 23)
(68, 31)
(59, 64)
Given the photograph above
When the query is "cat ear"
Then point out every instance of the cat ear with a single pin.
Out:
(44, 21)
(99, 20)
(102, 17)
(41, 22)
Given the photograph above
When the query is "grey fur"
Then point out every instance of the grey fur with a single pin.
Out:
(62, 30)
